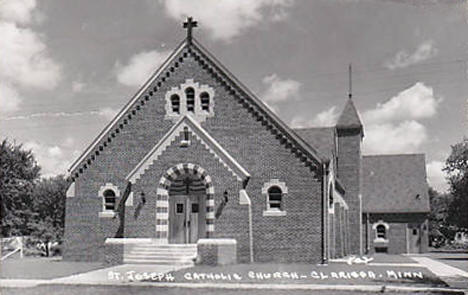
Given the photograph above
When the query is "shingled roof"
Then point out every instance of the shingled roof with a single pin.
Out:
(394, 184)
(349, 118)
(322, 138)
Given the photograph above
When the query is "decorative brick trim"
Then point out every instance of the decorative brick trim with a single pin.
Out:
(197, 133)
(198, 114)
(162, 203)
(71, 190)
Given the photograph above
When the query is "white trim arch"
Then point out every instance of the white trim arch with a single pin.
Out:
(115, 189)
(284, 192)
(374, 227)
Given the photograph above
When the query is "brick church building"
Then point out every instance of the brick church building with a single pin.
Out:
(196, 158)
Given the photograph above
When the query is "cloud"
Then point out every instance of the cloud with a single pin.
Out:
(78, 86)
(108, 113)
(226, 19)
(416, 102)
(280, 90)
(53, 159)
(17, 11)
(404, 59)
(323, 119)
(140, 67)
(24, 59)
(436, 176)
(402, 137)
(9, 98)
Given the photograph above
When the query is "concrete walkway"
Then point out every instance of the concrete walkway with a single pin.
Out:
(438, 268)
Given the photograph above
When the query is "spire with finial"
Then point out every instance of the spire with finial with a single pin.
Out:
(350, 73)
(189, 24)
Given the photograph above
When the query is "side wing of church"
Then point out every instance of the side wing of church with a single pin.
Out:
(196, 158)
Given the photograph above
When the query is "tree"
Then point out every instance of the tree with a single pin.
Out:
(18, 174)
(48, 204)
(456, 167)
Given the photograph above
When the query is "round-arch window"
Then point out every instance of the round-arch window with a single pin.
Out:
(190, 96)
(205, 101)
(109, 200)
(274, 198)
(175, 101)
(381, 231)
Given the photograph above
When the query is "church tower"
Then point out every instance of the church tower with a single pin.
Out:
(350, 134)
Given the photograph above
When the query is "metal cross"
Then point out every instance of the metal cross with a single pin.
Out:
(189, 25)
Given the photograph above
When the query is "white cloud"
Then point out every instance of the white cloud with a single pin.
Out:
(24, 59)
(403, 137)
(17, 11)
(404, 59)
(53, 160)
(140, 67)
(78, 86)
(280, 89)
(226, 19)
(9, 98)
(323, 119)
(108, 113)
(436, 176)
(416, 102)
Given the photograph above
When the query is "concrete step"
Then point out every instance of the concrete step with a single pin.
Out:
(167, 254)
(158, 261)
(163, 256)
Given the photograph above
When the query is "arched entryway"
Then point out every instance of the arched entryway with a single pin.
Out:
(185, 204)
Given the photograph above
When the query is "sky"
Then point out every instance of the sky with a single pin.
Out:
(67, 67)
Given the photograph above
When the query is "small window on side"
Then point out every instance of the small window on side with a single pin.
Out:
(109, 200)
(381, 231)
(274, 198)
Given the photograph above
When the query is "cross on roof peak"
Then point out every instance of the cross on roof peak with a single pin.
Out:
(189, 24)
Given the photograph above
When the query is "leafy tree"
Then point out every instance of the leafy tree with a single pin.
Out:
(48, 204)
(18, 173)
(456, 167)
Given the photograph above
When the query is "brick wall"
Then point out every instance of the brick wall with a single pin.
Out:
(349, 170)
(397, 232)
(294, 237)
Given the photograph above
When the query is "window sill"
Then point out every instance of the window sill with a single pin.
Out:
(380, 240)
(107, 214)
(274, 213)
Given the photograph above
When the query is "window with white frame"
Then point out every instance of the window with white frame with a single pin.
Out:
(381, 231)
(109, 194)
(274, 192)
(190, 98)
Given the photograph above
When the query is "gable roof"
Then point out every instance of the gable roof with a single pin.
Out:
(284, 134)
(349, 118)
(322, 138)
(394, 184)
(188, 122)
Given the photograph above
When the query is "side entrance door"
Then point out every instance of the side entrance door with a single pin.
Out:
(184, 218)
(414, 238)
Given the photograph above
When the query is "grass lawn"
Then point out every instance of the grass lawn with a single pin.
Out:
(108, 290)
(43, 268)
(334, 273)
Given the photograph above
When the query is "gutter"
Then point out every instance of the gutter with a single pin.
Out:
(325, 171)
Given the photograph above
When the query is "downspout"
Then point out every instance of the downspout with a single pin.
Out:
(367, 233)
(245, 200)
(324, 212)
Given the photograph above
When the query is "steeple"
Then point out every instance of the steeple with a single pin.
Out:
(349, 118)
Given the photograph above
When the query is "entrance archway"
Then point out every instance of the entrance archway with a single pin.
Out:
(167, 210)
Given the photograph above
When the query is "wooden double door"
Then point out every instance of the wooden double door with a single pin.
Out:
(186, 218)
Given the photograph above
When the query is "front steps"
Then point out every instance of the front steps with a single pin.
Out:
(162, 254)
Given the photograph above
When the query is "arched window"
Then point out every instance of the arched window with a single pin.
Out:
(190, 96)
(205, 101)
(330, 195)
(175, 102)
(381, 231)
(274, 198)
(109, 200)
